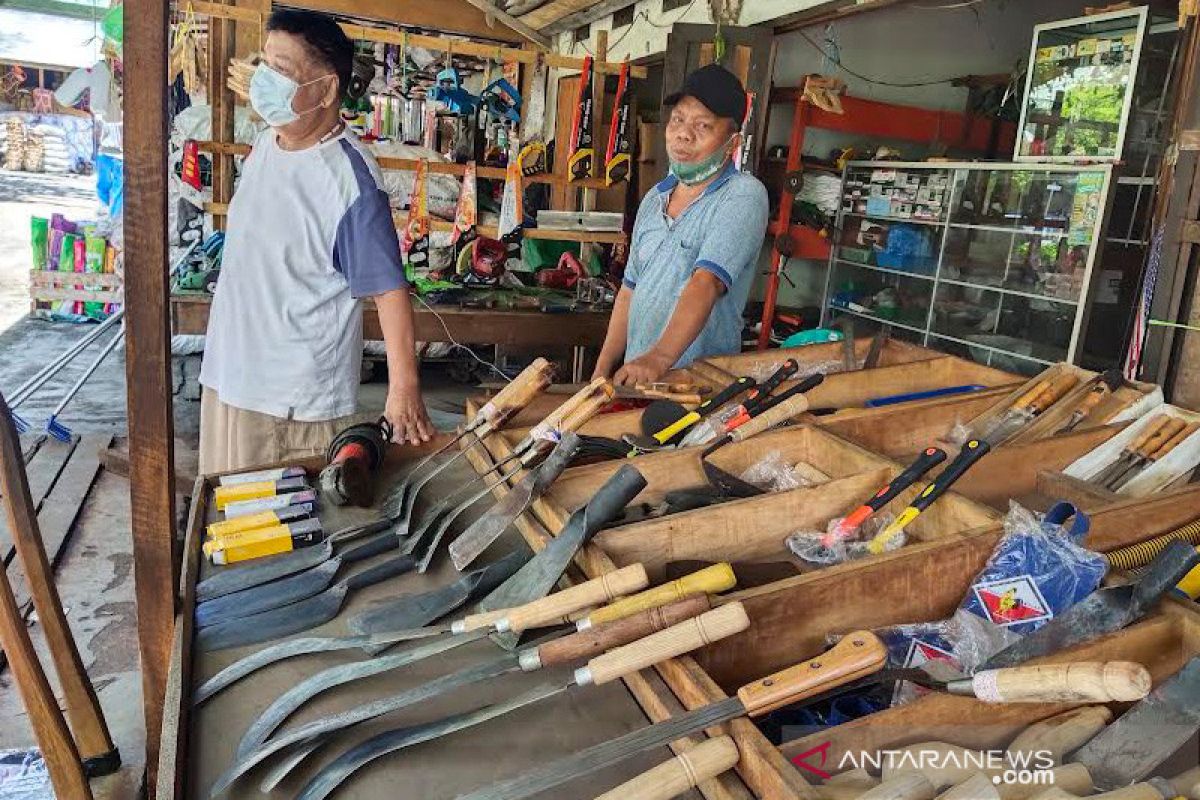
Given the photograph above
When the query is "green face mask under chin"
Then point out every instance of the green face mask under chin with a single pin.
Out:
(690, 173)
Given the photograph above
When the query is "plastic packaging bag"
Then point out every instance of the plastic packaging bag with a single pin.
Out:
(839, 543)
(23, 776)
(1038, 569)
(773, 474)
(710, 427)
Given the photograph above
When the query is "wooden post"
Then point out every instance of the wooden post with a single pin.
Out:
(220, 49)
(148, 356)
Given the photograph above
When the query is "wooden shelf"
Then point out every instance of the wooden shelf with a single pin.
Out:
(434, 167)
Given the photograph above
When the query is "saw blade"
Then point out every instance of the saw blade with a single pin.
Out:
(1128, 750)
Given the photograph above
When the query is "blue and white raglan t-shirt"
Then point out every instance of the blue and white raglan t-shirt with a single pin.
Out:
(310, 233)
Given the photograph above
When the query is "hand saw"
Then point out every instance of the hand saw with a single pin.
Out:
(581, 152)
(620, 135)
(415, 244)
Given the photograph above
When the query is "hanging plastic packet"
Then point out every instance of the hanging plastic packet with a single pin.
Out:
(39, 228)
(620, 145)
(189, 168)
(581, 153)
(1039, 569)
(466, 214)
(509, 228)
(415, 245)
(532, 158)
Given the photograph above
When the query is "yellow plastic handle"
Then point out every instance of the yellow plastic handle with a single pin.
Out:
(710, 580)
(683, 423)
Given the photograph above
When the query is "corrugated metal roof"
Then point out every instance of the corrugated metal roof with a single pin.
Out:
(27, 37)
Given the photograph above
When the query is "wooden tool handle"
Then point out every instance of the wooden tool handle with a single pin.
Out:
(587, 409)
(1138, 791)
(1024, 401)
(1101, 390)
(553, 420)
(1078, 682)
(1057, 389)
(710, 580)
(694, 633)
(594, 641)
(1152, 428)
(608, 586)
(1172, 426)
(793, 406)
(977, 787)
(516, 395)
(1073, 778)
(1060, 734)
(910, 786)
(855, 656)
(684, 771)
(1175, 441)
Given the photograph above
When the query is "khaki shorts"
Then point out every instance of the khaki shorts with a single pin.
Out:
(233, 438)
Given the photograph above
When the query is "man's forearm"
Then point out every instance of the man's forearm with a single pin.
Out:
(396, 321)
(691, 313)
(613, 349)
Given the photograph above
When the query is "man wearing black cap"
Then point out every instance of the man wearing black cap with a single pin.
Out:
(695, 242)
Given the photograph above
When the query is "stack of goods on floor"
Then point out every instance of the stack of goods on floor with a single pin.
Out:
(54, 157)
(35, 148)
(14, 138)
(60, 245)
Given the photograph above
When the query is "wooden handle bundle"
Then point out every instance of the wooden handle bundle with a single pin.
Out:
(683, 772)
(710, 580)
(515, 396)
(560, 604)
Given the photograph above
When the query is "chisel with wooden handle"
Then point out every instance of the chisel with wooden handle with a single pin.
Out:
(1132, 447)
(1017, 418)
(1140, 455)
(1075, 682)
(1017, 409)
(1104, 385)
(670, 642)
(550, 610)
(685, 771)
(1163, 450)
(971, 452)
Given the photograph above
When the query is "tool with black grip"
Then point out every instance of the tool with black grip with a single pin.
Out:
(682, 419)
(820, 548)
(968, 456)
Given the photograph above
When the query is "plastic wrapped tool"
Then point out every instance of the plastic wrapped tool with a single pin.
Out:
(841, 541)
(773, 474)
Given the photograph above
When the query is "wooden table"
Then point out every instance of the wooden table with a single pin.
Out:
(517, 329)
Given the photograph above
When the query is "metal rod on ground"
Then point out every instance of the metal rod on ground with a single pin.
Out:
(53, 427)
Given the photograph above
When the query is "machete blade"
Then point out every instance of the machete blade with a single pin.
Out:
(1131, 748)
(237, 579)
(286, 591)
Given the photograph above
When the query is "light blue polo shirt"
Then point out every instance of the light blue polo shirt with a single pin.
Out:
(721, 232)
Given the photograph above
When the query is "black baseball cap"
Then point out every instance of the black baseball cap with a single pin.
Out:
(717, 88)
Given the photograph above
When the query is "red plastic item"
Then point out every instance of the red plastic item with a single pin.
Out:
(568, 273)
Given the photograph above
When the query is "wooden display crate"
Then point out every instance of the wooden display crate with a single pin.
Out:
(760, 364)
(49, 286)
(842, 390)
(1127, 403)
(792, 617)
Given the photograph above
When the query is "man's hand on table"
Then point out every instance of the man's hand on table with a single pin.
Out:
(405, 410)
(646, 368)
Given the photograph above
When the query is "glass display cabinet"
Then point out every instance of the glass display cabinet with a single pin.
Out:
(990, 261)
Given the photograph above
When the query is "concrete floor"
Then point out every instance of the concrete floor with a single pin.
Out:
(95, 576)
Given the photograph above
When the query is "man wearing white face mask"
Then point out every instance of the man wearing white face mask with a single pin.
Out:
(695, 241)
(310, 234)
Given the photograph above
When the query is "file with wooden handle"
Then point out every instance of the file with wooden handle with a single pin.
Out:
(1131, 450)
(602, 589)
(685, 771)
(1102, 388)
(1161, 452)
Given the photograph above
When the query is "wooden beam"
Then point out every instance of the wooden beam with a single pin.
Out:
(453, 17)
(438, 43)
(492, 12)
(549, 14)
(148, 357)
(1189, 231)
(570, 19)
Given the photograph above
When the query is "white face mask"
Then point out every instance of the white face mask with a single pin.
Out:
(271, 95)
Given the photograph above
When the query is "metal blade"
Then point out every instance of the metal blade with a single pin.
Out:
(1103, 611)
(415, 610)
(332, 775)
(1010, 423)
(537, 578)
(1128, 750)
(301, 647)
(611, 752)
(254, 600)
(362, 713)
(1119, 478)
(264, 570)
(1105, 475)
(485, 530)
(310, 687)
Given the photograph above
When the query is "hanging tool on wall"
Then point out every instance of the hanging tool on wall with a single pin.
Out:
(581, 151)
(968, 456)
(532, 157)
(1103, 386)
(354, 458)
(466, 214)
(415, 244)
(512, 215)
(619, 151)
